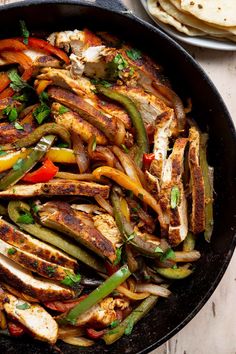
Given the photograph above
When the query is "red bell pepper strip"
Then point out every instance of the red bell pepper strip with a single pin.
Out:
(63, 306)
(4, 81)
(43, 174)
(40, 44)
(15, 329)
(91, 39)
(110, 268)
(92, 333)
(8, 92)
(17, 57)
(147, 160)
(12, 44)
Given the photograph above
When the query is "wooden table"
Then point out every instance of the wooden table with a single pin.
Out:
(213, 330)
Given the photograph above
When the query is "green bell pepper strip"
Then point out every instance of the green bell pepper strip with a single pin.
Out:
(170, 273)
(15, 207)
(28, 163)
(136, 118)
(127, 232)
(189, 242)
(126, 326)
(98, 294)
(38, 133)
(207, 173)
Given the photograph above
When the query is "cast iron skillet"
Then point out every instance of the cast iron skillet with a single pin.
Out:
(188, 80)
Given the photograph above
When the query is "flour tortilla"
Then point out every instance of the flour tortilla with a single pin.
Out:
(157, 12)
(218, 12)
(170, 6)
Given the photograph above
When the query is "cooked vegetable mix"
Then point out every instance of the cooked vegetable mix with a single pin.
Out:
(105, 187)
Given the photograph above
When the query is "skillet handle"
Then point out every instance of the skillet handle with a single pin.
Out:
(115, 5)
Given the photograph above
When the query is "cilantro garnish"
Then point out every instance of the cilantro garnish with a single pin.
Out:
(71, 279)
(23, 306)
(25, 218)
(11, 251)
(134, 54)
(174, 197)
(63, 110)
(24, 31)
(168, 254)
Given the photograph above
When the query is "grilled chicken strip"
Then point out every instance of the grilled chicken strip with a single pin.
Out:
(23, 280)
(176, 217)
(33, 316)
(103, 314)
(105, 223)
(17, 238)
(57, 187)
(84, 88)
(76, 224)
(73, 122)
(9, 134)
(34, 263)
(197, 219)
(92, 114)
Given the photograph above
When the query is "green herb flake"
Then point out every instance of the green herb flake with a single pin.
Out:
(134, 54)
(24, 31)
(41, 113)
(11, 113)
(18, 126)
(129, 328)
(18, 165)
(118, 256)
(94, 144)
(124, 147)
(158, 250)
(120, 62)
(25, 218)
(63, 110)
(11, 251)
(21, 98)
(50, 271)
(174, 197)
(169, 254)
(175, 266)
(35, 208)
(71, 279)
(114, 324)
(2, 153)
(17, 83)
(23, 306)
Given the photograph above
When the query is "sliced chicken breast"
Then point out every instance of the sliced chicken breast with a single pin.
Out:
(23, 280)
(33, 316)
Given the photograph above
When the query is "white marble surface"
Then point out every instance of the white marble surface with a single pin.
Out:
(213, 330)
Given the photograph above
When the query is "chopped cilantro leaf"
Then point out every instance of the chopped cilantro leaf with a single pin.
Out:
(168, 254)
(11, 113)
(17, 83)
(174, 197)
(2, 153)
(11, 251)
(25, 33)
(158, 250)
(71, 279)
(118, 256)
(114, 324)
(120, 62)
(63, 145)
(50, 271)
(134, 54)
(41, 113)
(63, 110)
(25, 218)
(23, 306)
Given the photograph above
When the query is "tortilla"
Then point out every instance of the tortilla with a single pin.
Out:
(173, 8)
(219, 12)
(156, 11)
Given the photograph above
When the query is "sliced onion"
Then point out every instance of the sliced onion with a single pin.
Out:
(75, 176)
(127, 164)
(80, 153)
(69, 331)
(78, 341)
(120, 135)
(153, 289)
(187, 256)
(132, 295)
(87, 208)
(176, 103)
(104, 204)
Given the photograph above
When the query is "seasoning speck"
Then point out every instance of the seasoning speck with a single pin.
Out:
(200, 6)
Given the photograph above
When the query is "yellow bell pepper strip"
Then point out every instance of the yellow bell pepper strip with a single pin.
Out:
(136, 118)
(126, 182)
(28, 163)
(171, 273)
(38, 133)
(16, 207)
(55, 154)
(126, 326)
(207, 173)
(106, 288)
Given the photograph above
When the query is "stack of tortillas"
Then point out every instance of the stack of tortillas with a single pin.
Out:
(214, 18)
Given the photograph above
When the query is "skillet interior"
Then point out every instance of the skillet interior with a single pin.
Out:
(189, 81)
